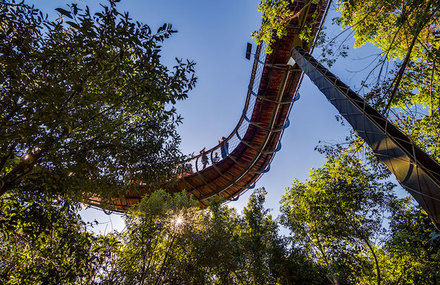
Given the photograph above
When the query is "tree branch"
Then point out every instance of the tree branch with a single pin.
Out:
(405, 62)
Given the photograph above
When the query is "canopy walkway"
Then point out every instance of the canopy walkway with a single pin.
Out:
(246, 153)
(237, 162)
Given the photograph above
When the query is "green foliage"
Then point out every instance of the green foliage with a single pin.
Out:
(169, 240)
(85, 97)
(346, 217)
(416, 107)
(44, 241)
(337, 213)
(407, 33)
(259, 231)
(153, 239)
(211, 246)
(86, 100)
(277, 14)
(270, 258)
(414, 245)
(391, 25)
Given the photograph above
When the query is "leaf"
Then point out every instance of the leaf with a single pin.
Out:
(73, 24)
(64, 12)
(75, 9)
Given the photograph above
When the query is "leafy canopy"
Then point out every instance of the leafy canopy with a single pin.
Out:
(85, 99)
(337, 214)
(44, 241)
(277, 15)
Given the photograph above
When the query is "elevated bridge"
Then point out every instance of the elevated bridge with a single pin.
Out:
(237, 162)
(246, 153)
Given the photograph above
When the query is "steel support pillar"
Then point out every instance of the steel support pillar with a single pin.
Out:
(415, 170)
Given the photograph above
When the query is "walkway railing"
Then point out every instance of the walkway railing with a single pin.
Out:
(210, 157)
(239, 160)
(227, 144)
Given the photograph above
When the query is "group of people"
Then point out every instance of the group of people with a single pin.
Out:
(224, 150)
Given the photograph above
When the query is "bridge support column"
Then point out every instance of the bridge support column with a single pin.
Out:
(415, 170)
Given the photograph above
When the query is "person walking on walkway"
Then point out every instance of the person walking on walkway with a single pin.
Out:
(205, 160)
(224, 147)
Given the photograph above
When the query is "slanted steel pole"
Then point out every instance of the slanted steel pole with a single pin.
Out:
(415, 170)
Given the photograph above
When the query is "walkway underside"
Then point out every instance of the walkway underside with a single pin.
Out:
(256, 138)
(252, 145)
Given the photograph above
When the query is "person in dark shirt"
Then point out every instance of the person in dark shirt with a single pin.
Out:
(205, 160)
(224, 147)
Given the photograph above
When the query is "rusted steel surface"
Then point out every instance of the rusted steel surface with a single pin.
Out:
(250, 156)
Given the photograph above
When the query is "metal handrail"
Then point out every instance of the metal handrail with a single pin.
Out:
(254, 81)
(193, 162)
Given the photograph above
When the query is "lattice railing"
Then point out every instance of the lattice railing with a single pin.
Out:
(226, 146)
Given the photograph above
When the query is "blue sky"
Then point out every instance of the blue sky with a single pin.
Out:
(214, 35)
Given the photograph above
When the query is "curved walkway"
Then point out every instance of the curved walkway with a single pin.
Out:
(245, 155)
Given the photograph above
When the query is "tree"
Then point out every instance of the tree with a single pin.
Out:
(267, 257)
(157, 244)
(277, 15)
(167, 240)
(407, 33)
(85, 100)
(216, 247)
(413, 245)
(44, 241)
(415, 110)
(337, 214)
(259, 239)
(401, 29)
(408, 30)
